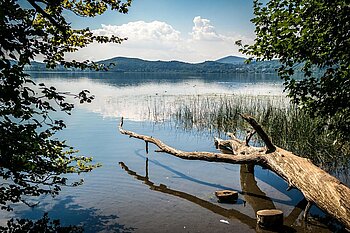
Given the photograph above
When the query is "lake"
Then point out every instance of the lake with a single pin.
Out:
(156, 192)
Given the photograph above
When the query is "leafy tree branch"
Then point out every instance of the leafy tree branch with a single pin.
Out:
(314, 37)
(32, 161)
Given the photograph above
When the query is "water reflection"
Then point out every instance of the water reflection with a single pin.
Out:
(140, 97)
(180, 174)
(88, 218)
(249, 186)
(228, 213)
(139, 79)
(144, 96)
(252, 195)
(258, 199)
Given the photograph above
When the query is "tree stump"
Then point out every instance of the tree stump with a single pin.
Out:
(227, 196)
(269, 218)
(300, 173)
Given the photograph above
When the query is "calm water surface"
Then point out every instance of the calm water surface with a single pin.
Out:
(136, 192)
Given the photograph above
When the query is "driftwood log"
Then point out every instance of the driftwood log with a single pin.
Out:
(228, 213)
(318, 186)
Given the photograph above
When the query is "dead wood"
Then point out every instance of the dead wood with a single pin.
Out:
(270, 218)
(215, 208)
(228, 213)
(318, 187)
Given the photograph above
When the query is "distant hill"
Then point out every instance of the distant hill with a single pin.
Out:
(230, 64)
(123, 64)
(232, 60)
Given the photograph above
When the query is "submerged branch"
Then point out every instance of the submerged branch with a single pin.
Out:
(256, 156)
(228, 213)
(318, 187)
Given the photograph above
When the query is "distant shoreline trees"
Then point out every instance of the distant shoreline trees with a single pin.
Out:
(122, 64)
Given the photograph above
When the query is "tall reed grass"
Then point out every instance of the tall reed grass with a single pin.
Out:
(289, 127)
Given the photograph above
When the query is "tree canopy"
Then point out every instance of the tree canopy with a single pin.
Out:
(313, 35)
(32, 161)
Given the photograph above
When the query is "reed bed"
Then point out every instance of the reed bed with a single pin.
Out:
(289, 127)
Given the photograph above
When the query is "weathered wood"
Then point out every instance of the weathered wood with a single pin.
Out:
(318, 187)
(267, 140)
(227, 196)
(307, 209)
(227, 213)
(249, 136)
(269, 218)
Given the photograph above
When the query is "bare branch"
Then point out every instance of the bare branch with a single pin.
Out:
(260, 131)
(249, 136)
(307, 209)
(318, 187)
(254, 157)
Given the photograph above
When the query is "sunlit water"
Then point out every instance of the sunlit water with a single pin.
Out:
(136, 192)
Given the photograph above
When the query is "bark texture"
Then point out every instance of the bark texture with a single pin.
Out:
(318, 187)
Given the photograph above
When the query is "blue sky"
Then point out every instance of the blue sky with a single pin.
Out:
(185, 30)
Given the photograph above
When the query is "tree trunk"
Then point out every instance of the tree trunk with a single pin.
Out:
(318, 187)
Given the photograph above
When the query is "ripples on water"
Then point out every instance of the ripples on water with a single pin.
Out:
(136, 192)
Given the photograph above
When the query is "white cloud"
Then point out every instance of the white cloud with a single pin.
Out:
(141, 30)
(160, 41)
(203, 30)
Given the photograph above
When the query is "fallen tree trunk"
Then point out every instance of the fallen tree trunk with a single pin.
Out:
(318, 187)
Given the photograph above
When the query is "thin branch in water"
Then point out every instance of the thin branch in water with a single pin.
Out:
(307, 209)
(249, 136)
(270, 146)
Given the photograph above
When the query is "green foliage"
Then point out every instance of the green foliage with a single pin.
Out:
(309, 34)
(32, 161)
(42, 225)
(289, 127)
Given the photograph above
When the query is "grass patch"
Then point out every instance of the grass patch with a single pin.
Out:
(289, 127)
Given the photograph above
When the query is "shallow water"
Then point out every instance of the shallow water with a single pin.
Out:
(139, 96)
(138, 192)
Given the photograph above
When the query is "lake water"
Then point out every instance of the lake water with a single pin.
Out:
(136, 192)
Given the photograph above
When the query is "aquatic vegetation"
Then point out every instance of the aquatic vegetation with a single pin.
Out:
(289, 127)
